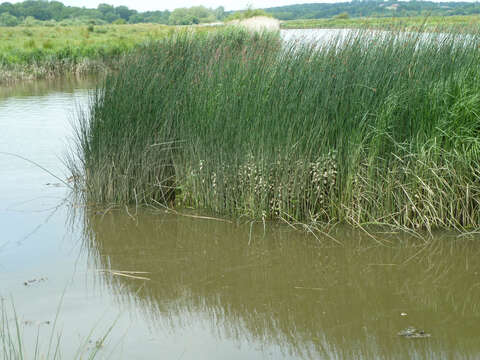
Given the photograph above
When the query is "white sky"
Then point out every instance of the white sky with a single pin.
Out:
(144, 5)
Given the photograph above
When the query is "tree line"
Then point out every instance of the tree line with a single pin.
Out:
(374, 8)
(52, 12)
(32, 11)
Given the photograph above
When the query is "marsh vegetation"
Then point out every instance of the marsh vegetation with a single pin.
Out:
(367, 128)
(44, 52)
(459, 23)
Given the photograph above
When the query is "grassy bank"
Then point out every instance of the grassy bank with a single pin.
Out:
(42, 52)
(467, 23)
(363, 129)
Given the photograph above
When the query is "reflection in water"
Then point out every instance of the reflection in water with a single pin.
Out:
(285, 290)
(66, 85)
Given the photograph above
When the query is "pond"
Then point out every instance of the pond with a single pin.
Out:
(181, 286)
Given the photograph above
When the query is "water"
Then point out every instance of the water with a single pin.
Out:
(183, 287)
(326, 36)
(317, 35)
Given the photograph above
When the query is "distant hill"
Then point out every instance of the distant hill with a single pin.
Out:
(373, 9)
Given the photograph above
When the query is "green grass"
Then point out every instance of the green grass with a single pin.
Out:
(39, 52)
(12, 342)
(468, 23)
(367, 129)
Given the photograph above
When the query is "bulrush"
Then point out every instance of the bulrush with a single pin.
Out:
(378, 128)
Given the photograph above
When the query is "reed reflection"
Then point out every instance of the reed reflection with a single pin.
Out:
(284, 289)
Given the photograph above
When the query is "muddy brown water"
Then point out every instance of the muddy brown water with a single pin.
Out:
(179, 287)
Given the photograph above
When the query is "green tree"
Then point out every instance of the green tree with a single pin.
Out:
(220, 13)
(7, 7)
(136, 18)
(201, 13)
(105, 8)
(181, 16)
(56, 10)
(124, 12)
(7, 19)
(249, 13)
(111, 17)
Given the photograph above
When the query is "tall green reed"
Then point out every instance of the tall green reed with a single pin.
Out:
(365, 128)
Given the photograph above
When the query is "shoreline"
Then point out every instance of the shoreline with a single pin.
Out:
(13, 74)
(29, 54)
(465, 23)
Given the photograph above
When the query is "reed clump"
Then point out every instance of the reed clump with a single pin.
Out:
(366, 128)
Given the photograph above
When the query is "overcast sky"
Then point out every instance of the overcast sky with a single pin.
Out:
(144, 5)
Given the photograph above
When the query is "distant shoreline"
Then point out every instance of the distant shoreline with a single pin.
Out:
(30, 53)
(468, 23)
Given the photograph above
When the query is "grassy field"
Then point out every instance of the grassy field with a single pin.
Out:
(39, 52)
(364, 129)
(470, 23)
